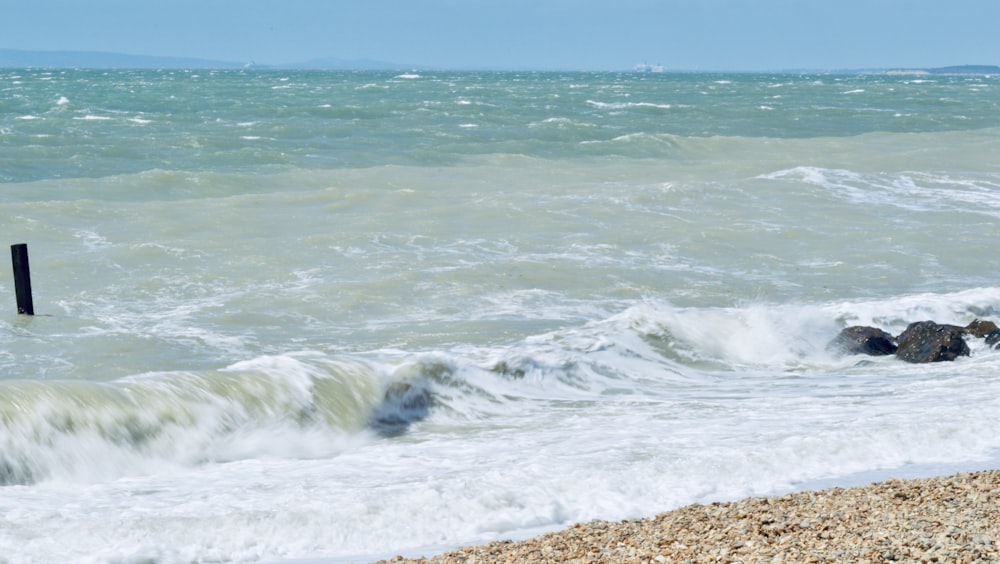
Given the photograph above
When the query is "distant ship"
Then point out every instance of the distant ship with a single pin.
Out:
(643, 67)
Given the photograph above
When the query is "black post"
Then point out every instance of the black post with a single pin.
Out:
(22, 278)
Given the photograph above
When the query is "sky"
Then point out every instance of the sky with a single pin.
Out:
(724, 35)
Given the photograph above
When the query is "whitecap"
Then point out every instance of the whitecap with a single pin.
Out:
(652, 105)
(627, 105)
(92, 240)
(560, 122)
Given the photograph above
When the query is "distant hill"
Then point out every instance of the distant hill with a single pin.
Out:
(100, 60)
(967, 69)
(959, 69)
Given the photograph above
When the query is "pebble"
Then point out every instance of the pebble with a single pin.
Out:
(945, 519)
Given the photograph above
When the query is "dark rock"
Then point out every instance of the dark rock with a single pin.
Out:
(985, 330)
(993, 339)
(927, 341)
(859, 339)
(981, 328)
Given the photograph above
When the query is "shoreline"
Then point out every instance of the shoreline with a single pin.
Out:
(954, 518)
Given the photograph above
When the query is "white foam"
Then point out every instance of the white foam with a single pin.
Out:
(913, 191)
(627, 105)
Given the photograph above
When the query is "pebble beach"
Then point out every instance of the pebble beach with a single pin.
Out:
(943, 519)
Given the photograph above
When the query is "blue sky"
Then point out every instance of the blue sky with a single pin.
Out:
(523, 34)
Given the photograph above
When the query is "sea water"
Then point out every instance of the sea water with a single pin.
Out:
(290, 315)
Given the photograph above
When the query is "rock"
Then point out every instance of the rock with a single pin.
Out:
(927, 341)
(981, 328)
(985, 330)
(859, 339)
(993, 339)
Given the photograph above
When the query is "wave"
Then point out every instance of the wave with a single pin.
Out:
(302, 405)
(632, 105)
(781, 337)
(656, 343)
(916, 191)
(318, 405)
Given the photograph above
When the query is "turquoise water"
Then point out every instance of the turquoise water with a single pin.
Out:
(94, 124)
(338, 315)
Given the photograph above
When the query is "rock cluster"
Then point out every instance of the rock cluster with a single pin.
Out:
(949, 519)
(923, 341)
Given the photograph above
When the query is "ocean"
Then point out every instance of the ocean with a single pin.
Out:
(338, 316)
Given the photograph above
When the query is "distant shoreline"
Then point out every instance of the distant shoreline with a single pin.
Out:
(953, 70)
(17, 58)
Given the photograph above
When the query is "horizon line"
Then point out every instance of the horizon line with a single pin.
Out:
(337, 63)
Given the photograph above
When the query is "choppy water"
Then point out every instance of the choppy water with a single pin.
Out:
(293, 315)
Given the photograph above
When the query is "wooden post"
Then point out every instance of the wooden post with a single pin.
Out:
(22, 278)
